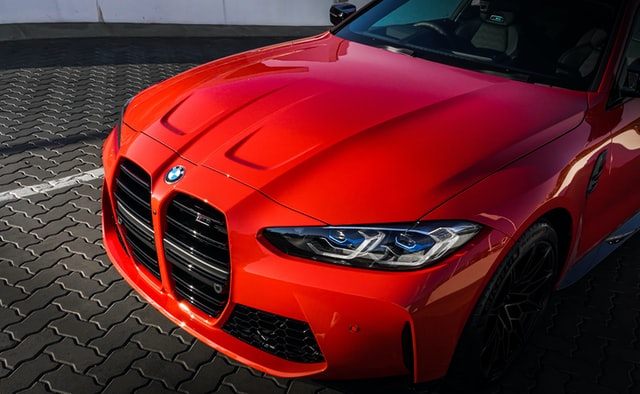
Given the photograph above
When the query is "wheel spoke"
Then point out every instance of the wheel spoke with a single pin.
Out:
(538, 269)
(493, 351)
(537, 260)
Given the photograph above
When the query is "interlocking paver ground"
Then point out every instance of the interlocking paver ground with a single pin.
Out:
(69, 323)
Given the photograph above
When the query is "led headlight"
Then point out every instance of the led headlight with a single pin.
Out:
(120, 124)
(395, 247)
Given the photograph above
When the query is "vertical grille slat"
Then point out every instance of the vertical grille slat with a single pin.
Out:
(133, 211)
(196, 247)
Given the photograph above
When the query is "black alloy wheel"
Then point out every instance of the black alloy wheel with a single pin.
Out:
(508, 310)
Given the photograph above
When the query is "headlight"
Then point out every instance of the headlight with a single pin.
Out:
(119, 125)
(395, 247)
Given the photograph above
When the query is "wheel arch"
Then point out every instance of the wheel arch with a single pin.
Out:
(561, 221)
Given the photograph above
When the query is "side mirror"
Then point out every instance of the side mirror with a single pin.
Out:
(340, 12)
(631, 85)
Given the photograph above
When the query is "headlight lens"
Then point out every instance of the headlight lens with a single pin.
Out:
(120, 122)
(395, 247)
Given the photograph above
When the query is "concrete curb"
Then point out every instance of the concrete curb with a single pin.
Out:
(34, 31)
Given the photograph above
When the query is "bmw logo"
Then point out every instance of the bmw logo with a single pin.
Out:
(174, 174)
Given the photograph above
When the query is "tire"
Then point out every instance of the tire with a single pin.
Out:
(507, 311)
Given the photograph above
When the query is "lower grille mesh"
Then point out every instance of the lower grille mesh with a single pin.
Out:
(286, 338)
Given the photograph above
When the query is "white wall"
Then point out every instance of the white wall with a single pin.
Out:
(215, 12)
(357, 3)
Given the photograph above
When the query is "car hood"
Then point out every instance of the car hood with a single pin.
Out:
(348, 133)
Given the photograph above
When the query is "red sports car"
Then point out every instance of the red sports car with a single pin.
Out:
(397, 196)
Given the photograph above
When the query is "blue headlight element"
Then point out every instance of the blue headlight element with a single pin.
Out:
(414, 242)
(345, 237)
(390, 247)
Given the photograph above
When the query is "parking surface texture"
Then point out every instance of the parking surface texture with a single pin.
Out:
(69, 323)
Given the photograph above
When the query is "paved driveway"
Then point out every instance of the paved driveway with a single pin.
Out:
(69, 323)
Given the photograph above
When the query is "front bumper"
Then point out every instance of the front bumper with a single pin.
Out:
(352, 323)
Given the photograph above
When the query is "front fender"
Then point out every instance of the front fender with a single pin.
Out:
(554, 176)
(512, 199)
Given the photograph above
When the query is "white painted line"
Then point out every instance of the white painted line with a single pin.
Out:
(52, 185)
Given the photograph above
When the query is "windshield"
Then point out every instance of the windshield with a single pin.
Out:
(553, 42)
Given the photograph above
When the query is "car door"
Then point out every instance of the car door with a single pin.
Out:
(612, 194)
(624, 203)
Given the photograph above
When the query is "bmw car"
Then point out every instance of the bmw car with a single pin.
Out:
(398, 196)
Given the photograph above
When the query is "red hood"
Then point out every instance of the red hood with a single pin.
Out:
(348, 133)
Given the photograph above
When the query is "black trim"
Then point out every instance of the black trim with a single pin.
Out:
(280, 336)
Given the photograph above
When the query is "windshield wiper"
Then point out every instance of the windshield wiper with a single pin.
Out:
(400, 50)
(507, 73)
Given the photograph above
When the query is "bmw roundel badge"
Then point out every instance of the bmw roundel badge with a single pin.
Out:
(174, 174)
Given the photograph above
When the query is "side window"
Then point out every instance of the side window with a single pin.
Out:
(630, 57)
(633, 50)
(632, 53)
